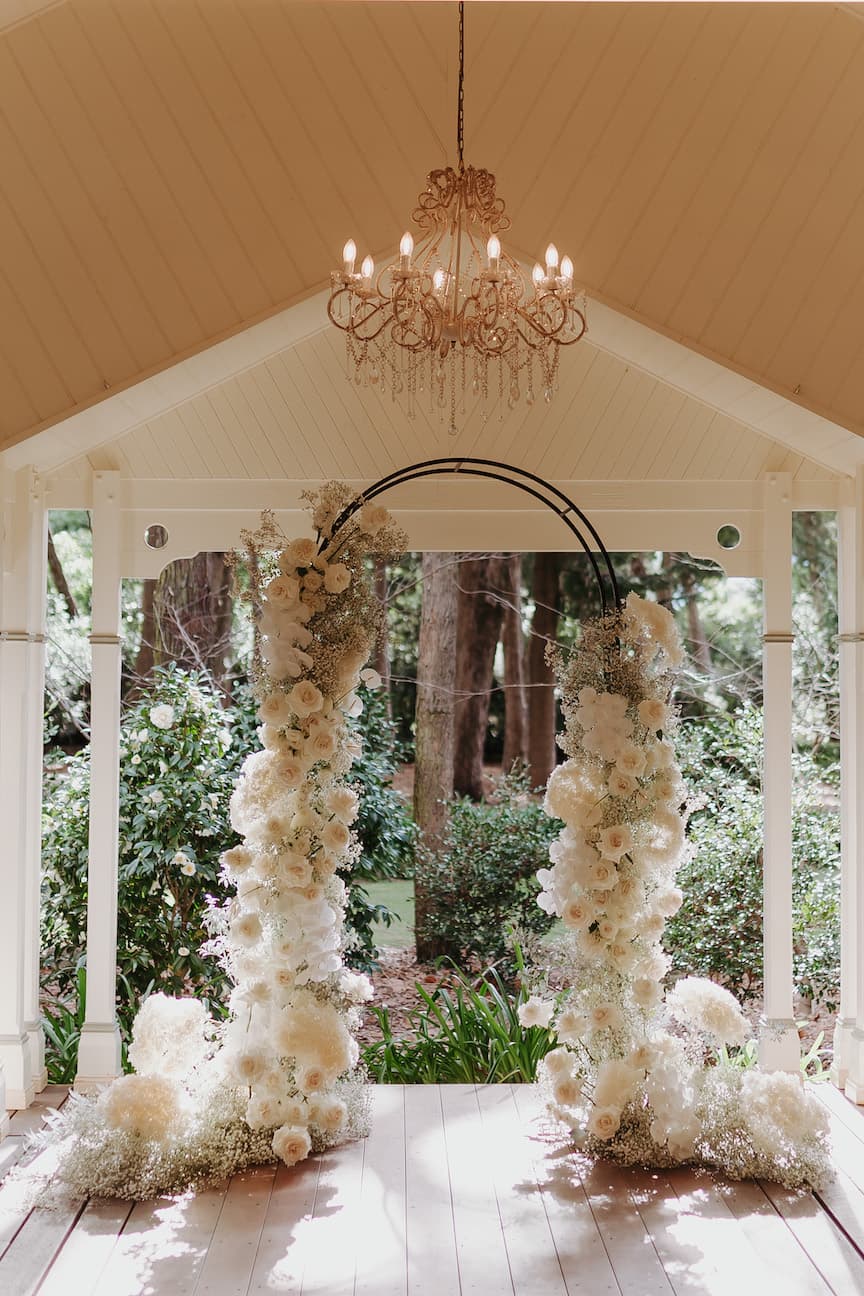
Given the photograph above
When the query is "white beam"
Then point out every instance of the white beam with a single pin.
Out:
(99, 1058)
(35, 710)
(852, 893)
(14, 648)
(778, 1042)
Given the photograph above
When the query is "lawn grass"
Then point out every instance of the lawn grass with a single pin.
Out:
(398, 895)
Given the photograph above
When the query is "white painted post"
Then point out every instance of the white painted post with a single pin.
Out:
(851, 624)
(99, 1056)
(852, 884)
(35, 704)
(778, 1037)
(14, 1044)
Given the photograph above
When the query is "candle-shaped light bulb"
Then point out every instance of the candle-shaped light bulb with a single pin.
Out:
(537, 274)
(551, 259)
(493, 251)
(349, 256)
(367, 269)
(406, 247)
(567, 269)
(439, 278)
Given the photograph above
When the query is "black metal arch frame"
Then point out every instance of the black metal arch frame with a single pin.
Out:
(530, 484)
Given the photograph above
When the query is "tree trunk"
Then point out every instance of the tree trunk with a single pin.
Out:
(192, 608)
(381, 651)
(541, 693)
(144, 661)
(433, 767)
(700, 648)
(59, 577)
(515, 702)
(480, 615)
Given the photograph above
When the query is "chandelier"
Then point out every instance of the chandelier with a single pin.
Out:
(455, 317)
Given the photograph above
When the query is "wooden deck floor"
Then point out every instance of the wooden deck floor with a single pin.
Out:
(457, 1190)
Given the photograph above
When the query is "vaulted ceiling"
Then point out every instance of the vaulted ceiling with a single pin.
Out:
(172, 171)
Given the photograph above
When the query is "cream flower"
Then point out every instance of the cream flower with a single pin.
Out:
(276, 710)
(335, 836)
(245, 930)
(337, 578)
(615, 841)
(344, 803)
(558, 1062)
(373, 518)
(567, 1091)
(535, 1011)
(653, 713)
(604, 1122)
(605, 1016)
(284, 592)
(150, 1107)
(630, 760)
(571, 1027)
(291, 1143)
(162, 716)
(299, 553)
(305, 697)
(621, 785)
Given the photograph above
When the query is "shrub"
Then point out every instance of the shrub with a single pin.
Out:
(718, 930)
(384, 826)
(174, 789)
(468, 1035)
(482, 882)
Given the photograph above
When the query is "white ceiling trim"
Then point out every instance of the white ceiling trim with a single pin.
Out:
(13, 12)
(695, 375)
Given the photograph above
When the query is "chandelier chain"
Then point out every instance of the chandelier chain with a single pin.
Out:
(460, 110)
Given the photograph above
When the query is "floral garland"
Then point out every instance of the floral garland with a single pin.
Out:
(645, 1079)
(281, 1075)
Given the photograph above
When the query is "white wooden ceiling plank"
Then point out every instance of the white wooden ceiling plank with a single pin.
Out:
(176, 447)
(671, 241)
(810, 198)
(251, 453)
(613, 426)
(200, 415)
(604, 378)
(27, 356)
(402, 434)
(585, 374)
(166, 39)
(665, 462)
(662, 137)
(336, 449)
(286, 412)
(643, 433)
(195, 33)
(362, 415)
(115, 40)
(205, 448)
(66, 351)
(245, 398)
(282, 442)
(57, 128)
(131, 459)
(108, 103)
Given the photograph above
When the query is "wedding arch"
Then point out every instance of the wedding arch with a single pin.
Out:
(635, 1073)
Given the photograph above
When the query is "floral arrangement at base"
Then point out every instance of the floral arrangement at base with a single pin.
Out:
(638, 1076)
(280, 1077)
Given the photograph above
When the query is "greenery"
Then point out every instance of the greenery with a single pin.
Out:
(470, 1034)
(396, 895)
(718, 930)
(174, 790)
(385, 829)
(481, 883)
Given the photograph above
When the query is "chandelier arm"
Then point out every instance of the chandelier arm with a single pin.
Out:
(482, 468)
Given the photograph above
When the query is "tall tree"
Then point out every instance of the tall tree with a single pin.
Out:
(381, 650)
(480, 615)
(515, 700)
(433, 767)
(541, 679)
(192, 614)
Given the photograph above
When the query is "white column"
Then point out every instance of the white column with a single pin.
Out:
(778, 1037)
(14, 1044)
(35, 704)
(99, 1051)
(851, 625)
(852, 882)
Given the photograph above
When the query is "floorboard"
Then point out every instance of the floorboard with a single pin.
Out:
(458, 1189)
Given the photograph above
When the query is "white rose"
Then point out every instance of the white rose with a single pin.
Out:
(291, 1143)
(337, 578)
(535, 1012)
(653, 713)
(305, 697)
(335, 836)
(284, 592)
(604, 1122)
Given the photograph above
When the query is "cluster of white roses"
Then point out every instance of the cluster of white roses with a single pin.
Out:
(629, 1074)
(294, 1006)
